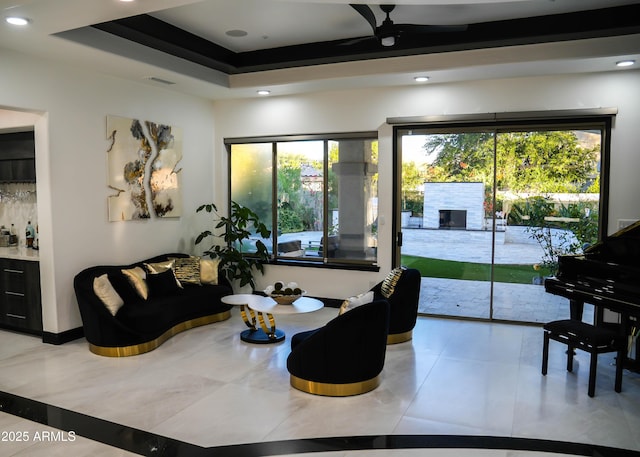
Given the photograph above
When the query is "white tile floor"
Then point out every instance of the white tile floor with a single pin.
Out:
(207, 387)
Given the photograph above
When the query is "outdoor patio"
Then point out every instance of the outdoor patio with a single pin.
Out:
(463, 298)
(453, 297)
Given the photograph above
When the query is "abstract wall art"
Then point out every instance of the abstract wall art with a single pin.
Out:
(143, 161)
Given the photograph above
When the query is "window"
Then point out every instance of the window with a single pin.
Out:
(317, 194)
(487, 208)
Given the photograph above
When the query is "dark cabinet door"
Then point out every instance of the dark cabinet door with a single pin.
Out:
(18, 170)
(17, 157)
(20, 305)
(23, 170)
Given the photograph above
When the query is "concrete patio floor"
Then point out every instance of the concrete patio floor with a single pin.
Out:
(463, 298)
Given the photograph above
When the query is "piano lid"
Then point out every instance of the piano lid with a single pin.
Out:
(622, 247)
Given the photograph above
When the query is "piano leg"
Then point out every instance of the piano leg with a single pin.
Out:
(576, 308)
(621, 358)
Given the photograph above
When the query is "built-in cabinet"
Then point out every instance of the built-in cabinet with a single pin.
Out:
(20, 304)
(17, 157)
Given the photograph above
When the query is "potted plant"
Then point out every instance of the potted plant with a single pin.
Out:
(236, 263)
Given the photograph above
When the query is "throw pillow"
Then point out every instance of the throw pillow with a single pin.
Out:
(107, 294)
(160, 267)
(137, 278)
(209, 271)
(187, 269)
(353, 302)
(389, 283)
(123, 286)
(163, 283)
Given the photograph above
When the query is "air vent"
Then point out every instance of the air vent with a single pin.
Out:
(160, 80)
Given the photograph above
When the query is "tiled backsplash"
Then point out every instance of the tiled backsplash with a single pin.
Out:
(18, 206)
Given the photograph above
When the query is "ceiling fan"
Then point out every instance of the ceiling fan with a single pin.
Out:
(388, 33)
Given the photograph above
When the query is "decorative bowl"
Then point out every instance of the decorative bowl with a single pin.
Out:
(286, 299)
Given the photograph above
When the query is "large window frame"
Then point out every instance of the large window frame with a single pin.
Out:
(601, 120)
(323, 259)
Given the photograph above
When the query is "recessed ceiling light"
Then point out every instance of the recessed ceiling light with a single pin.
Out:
(264, 92)
(625, 63)
(421, 79)
(15, 20)
(236, 33)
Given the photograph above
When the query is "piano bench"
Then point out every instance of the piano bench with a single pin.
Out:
(594, 340)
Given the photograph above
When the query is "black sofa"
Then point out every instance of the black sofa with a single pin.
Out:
(343, 358)
(142, 325)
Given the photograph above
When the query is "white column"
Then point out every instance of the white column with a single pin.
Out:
(354, 168)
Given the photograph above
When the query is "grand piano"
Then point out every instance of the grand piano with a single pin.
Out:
(607, 275)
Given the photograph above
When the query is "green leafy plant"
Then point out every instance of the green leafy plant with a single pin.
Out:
(571, 235)
(235, 230)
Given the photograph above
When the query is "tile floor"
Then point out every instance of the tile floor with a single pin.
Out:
(205, 387)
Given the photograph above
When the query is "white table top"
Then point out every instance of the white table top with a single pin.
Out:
(242, 299)
(301, 305)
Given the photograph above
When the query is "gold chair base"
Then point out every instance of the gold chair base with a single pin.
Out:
(395, 338)
(125, 351)
(334, 390)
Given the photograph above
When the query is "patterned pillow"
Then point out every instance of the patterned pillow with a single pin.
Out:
(137, 277)
(389, 283)
(187, 270)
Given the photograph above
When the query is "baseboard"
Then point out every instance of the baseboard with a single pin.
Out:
(64, 337)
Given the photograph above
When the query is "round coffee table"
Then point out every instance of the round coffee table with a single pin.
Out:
(269, 307)
(253, 334)
(266, 307)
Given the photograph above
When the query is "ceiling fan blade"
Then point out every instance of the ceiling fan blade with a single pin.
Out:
(358, 40)
(366, 13)
(416, 28)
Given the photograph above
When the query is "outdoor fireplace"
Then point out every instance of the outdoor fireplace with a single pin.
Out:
(453, 205)
(453, 219)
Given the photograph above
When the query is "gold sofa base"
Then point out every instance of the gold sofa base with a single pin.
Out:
(125, 351)
(395, 338)
(334, 390)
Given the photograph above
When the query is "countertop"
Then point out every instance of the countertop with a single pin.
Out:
(19, 253)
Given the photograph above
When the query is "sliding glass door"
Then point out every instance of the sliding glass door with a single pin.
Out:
(447, 182)
(485, 212)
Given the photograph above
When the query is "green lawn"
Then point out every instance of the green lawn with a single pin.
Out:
(437, 268)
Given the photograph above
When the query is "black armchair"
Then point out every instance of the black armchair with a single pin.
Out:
(345, 357)
(402, 290)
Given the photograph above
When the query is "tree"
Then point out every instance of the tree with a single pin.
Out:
(528, 161)
(547, 161)
(462, 157)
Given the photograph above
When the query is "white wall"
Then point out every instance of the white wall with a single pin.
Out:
(368, 109)
(70, 107)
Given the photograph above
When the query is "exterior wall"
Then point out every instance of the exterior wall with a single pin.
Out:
(465, 196)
